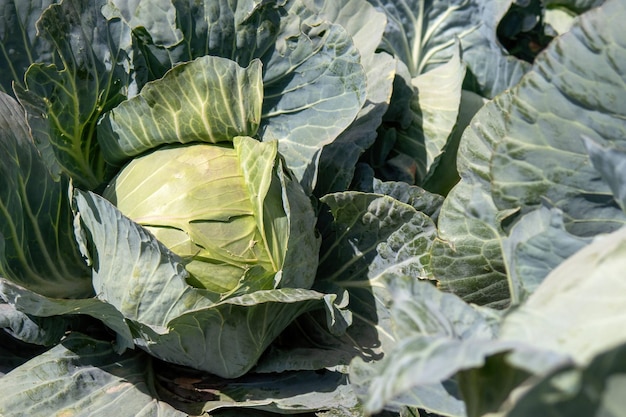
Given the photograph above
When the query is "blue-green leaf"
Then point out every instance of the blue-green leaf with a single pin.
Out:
(83, 376)
(37, 246)
(20, 45)
(524, 150)
(146, 283)
(314, 87)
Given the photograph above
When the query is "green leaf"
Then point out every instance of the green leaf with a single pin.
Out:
(37, 307)
(181, 31)
(467, 258)
(311, 68)
(434, 111)
(422, 200)
(89, 75)
(170, 319)
(83, 375)
(578, 6)
(338, 159)
(541, 155)
(443, 174)
(37, 246)
(368, 236)
(609, 162)
(280, 393)
(438, 334)
(422, 34)
(596, 389)
(523, 150)
(210, 100)
(150, 273)
(374, 234)
(549, 322)
(531, 253)
(314, 73)
(31, 329)
(157, 17)
(19, 44)
(494, 70)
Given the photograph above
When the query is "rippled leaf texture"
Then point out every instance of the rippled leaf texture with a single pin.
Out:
(526, 149)
(83, 375)
(210, 100)
(437, 335)
(557, 103)
(172, 32)
(89, 75)
(37, 247)
(467, 257)
(339, 158)
(314, 88)
(370, 235)
(170, 319)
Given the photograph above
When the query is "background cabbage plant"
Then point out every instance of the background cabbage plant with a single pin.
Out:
(315, 207)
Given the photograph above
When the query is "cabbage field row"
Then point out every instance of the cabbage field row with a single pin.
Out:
(330, 208)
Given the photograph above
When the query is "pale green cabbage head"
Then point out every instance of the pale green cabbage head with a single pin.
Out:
(224, 208)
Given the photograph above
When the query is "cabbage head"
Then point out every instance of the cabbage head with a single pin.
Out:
(223, 208)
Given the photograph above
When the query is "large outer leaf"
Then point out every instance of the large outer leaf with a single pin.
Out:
(530, 251)
(466, 259)
(37, 247)
(596, 389)
(369, 235)
(45, 308)
(19, 44)
(89, 75)
(581, 318)
(171, 32)
(365, 25)
(542, 154)
(209, 100)
(437, 335)
(83, 376)
(31, 329)
(371, 238)
(525, 148)
(314, 87)
(422, 35)
(172, 320)
(301, 392)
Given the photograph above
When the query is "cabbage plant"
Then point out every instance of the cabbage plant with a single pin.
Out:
(314, 207)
